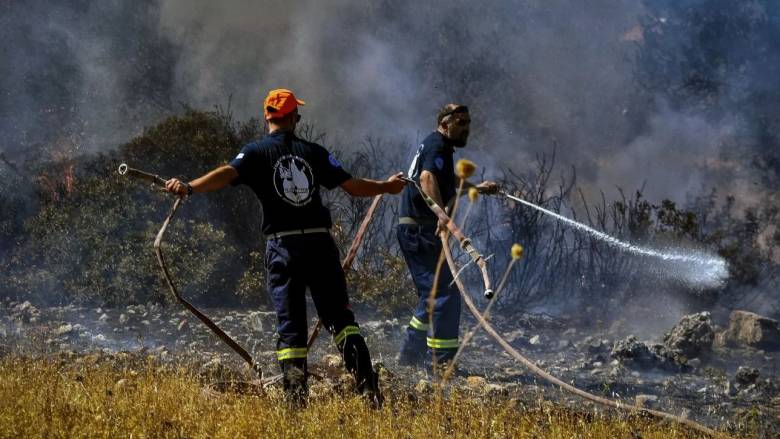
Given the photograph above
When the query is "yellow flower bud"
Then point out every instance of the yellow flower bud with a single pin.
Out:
(473, 194)
(517, 251)
(465, 168)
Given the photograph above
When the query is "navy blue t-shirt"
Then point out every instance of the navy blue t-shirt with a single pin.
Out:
(286, 173)
(433, 155)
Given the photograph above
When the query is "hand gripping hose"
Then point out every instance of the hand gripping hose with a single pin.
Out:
(465, 243)
(156, 179)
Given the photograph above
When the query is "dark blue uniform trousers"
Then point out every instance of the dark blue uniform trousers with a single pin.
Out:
(292, 264)
(421, 248)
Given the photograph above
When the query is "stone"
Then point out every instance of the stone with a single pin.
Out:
(691, 336)
(514, 335)
(123, 318)
(423, 386)
(746, 376)
(632, 352)
(646, 401)
(496, 390)
(476, 382)
(616, 372)
(750, 329)
(181, 325)
(535, 340)
(103, 317)
(372, 326)
(332, 360)
(729, 389)
(255, 320)
(213, 368)
(64, 329)
(593, 346)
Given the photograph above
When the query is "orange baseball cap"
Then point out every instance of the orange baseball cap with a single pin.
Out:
(280, 102)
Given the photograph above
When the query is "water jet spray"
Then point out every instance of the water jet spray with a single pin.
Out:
(704, 269)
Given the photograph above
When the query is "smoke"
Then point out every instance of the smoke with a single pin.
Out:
(530, 72)
(632, 93)
(534, 74)
(93, 73)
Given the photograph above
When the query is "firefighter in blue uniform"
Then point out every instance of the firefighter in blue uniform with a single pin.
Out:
(286, 174)
(418, 227)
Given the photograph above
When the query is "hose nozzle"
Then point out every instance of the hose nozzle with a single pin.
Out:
(132, 172)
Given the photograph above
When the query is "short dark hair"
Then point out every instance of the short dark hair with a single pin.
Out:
(449, 110)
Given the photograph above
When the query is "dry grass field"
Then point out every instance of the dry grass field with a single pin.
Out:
(91, 397)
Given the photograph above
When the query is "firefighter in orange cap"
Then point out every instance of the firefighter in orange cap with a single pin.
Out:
(287, 174)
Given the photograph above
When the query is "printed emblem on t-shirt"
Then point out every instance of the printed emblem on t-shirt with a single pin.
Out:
(439, 162)
(412, 173)
(240, 156)
(293, 180)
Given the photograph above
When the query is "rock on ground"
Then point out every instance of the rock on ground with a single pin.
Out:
(691, 336)
(750, 329)
(646, 401)
(746, 375)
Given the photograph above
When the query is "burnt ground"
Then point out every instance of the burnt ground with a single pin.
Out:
(707, 389)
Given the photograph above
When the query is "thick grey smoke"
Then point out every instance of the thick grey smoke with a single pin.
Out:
(530, 72)
(88, 74)
(534, 73)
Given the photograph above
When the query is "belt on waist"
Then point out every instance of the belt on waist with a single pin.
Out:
(417, 221)
(298, 232)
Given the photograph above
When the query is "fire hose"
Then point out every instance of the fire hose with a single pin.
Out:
(465, 244)
(124, 169)
(157, 180)
(551, 379)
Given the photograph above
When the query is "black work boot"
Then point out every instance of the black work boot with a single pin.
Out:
(294, 377)
(369, 389)
(358, 362)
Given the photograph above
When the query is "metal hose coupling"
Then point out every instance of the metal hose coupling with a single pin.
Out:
(132, 172)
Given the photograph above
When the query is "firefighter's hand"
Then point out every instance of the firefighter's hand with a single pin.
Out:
(394, 184)
(441, 227)
(487, 187)
(178, 187)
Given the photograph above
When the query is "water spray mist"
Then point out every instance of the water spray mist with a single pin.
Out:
(696, 268)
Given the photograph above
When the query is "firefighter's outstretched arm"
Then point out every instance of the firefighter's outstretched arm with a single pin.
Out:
(209, 182)
(364, 187)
